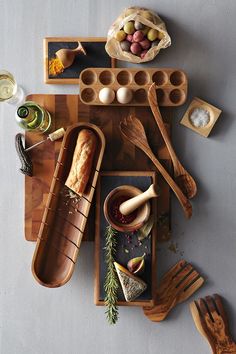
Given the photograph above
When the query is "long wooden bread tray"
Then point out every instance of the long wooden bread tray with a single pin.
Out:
(172, 85)
(64, 218)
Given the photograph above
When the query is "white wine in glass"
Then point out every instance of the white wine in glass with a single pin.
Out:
(9, 91)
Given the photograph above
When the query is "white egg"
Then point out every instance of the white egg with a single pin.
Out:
(106, 95)
(124, 95)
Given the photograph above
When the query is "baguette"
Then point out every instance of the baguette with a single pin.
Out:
(82, 161)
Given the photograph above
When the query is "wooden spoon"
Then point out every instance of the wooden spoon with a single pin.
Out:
(67, 56)
(183, 178)
(134, 203)
(211, 321)
(133, 130)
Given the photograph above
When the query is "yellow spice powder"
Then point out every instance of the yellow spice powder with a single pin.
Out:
(55, 67)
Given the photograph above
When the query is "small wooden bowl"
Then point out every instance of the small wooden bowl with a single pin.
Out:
(143, 212)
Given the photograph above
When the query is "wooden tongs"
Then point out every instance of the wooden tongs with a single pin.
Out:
(176, 286)
(133, 130)
(211, 321)
(182, 177)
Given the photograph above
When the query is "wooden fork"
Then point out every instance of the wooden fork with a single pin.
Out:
(211, 321)
(176, 286)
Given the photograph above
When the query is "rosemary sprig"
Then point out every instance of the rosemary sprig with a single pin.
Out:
(111, 281)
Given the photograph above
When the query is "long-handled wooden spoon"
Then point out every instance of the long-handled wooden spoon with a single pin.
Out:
(176, 286)
(211, 321)
(133, 130)
(182, 177)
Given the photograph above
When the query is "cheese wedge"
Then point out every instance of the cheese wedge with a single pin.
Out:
(132, 286)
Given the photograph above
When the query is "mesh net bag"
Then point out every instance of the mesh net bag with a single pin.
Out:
(147, 18)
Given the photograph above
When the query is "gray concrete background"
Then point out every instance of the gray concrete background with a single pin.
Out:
(38, 320)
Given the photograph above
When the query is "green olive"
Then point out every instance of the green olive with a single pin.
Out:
(152, 34)
(120, 35)
(129, 27)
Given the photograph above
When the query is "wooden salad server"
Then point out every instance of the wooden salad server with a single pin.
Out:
(176, 286)
(183, 178)
(133, 130)
(211, 321)
(134, 203)
(67, 56)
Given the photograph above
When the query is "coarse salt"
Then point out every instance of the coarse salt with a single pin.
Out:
(199, 117)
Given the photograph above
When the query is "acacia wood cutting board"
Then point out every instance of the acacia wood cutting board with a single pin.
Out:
(119, 155)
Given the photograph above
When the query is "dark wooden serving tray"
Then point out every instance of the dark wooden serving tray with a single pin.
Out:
(119, 155)
(64, 218)
(125, 249)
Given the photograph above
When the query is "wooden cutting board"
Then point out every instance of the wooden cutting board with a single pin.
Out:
(119, 155)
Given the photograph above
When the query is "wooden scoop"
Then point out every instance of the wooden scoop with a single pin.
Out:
(176, 286)
(211, 321)
(67, 56)
(133, 130)
(183, 178)
(134, 203)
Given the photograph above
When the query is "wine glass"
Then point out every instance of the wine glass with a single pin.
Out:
(10, 92)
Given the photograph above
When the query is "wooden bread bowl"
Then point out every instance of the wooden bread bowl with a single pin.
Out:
(65, 218)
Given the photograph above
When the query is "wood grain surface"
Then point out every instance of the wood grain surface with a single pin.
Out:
(64, 219)
(171, 83)
(119, 155)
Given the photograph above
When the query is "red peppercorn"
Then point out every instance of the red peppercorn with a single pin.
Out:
(116, 214)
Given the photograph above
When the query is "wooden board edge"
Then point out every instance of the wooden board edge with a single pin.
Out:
(154, 243)
(75, 39)
(45, 60)
(69, 81)
(144, 303)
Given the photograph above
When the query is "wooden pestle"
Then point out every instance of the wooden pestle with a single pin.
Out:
(134, 203)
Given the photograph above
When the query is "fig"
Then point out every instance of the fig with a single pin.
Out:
(120, 35)
(129, 38)
(145, 43)
(161, 35)
(136, 265)
(129, 27)
(125, 45)
(138, 36)
(138, 25)
(135, 48)
(148, 15)
(155, 43)
(152, 34)
(145, 30)
(143, 53)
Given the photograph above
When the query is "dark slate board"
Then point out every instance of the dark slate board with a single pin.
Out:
(96, 57)
(107, 184)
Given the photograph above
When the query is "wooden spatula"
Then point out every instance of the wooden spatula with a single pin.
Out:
(211, 321)
(177, 285)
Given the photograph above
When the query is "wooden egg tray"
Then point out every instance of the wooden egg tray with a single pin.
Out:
(65, 218)
(171, 85)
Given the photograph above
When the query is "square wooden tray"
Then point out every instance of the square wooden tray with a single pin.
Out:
(125, 249)
(214, 115)
(96, 57)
